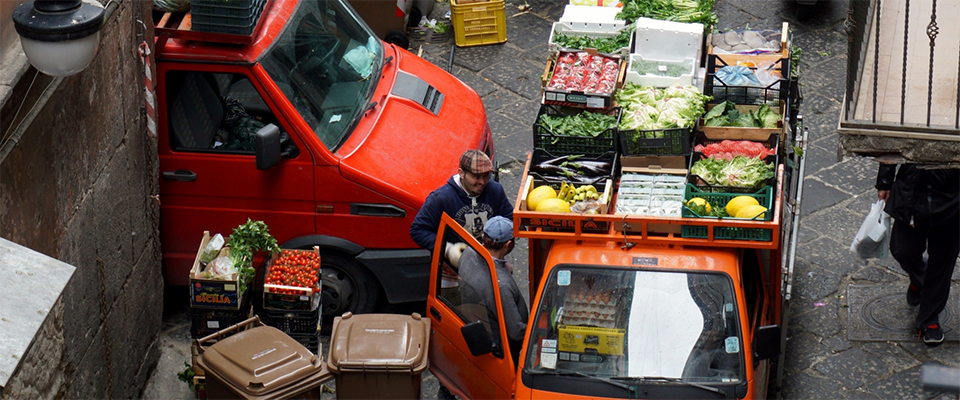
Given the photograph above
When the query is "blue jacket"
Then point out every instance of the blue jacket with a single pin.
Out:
(470, 213)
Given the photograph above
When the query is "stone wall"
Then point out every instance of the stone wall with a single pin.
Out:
(78, 187)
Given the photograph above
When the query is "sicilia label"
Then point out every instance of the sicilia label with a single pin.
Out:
(212, 298)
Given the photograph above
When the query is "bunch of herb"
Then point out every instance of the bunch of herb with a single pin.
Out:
(588, 124)
(795, 53)
(699, 11)
(603, 45)
(647, 67)
(247, 238)
(726, 114)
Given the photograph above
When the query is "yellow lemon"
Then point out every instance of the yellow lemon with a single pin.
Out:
(539, 194)
(699, 201)
(736, 203)
(553, 205)
(751, 211)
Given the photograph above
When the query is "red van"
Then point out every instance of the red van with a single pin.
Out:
(318, 128)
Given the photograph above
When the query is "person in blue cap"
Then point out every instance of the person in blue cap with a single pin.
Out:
(477, 286)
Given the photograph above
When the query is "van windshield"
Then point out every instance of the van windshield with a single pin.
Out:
(327, 63)
(631, 324)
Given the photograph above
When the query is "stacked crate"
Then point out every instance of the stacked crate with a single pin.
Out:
(214, 303)
(293, 310)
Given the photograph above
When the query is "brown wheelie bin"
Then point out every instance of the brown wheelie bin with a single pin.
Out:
(260, 362)
(379, 356)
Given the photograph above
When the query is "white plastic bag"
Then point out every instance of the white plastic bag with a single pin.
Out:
(873, 238)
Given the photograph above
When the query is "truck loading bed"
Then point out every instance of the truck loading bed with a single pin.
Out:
(640, 228)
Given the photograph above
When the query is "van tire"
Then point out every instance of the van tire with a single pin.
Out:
(398, 38)
(346, 285)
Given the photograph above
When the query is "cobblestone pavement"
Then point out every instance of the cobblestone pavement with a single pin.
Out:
(838, 346)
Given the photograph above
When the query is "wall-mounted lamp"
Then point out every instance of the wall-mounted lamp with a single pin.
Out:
(60, 38)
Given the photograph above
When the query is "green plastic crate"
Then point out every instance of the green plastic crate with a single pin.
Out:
(764, 196)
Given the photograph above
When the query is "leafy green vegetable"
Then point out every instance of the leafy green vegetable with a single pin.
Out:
(603, 45)
(701, 210)
(726, 114)
(586, 123)
(741, 171)
(649, 108)
(187, 375)
(249, 237)
(671, 10)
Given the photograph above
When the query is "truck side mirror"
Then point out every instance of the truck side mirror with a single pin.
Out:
(477, 338)
(267, 146)
(766, 342)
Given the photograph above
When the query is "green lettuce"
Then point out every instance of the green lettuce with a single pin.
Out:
(740, 171)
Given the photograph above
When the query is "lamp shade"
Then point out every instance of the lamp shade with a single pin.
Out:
(60, 38)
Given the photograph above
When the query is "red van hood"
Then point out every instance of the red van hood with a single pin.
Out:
(403, 150)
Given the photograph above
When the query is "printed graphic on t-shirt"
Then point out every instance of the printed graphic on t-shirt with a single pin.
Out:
(474, 218)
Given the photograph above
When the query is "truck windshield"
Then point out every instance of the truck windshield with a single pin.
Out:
(646, 325)
(327, 63)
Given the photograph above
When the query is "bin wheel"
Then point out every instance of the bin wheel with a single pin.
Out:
(398, 38)
(346, 285)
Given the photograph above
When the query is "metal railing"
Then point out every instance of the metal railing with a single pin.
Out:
(878, 121)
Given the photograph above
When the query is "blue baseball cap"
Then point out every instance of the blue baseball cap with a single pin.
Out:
(499, 229)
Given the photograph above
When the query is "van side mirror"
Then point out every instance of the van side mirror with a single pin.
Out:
(267, 146)
(477, 338)
(766, 342)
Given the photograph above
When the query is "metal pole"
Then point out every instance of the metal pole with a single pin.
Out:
(932, 31)
(903, 78)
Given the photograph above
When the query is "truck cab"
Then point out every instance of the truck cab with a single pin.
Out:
(313, 125)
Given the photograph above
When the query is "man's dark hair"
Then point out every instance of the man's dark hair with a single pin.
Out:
(490, 244)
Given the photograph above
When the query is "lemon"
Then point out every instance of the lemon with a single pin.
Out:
(736, 203)
(751, 211)
(539, 194)
(553, 205)
(699, 201)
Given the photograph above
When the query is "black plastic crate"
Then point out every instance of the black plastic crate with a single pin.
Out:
(219, 22)
(722, 91)
(773, 142)
(655, 142)
(292, 322)
(311, 341)
(592, 146)
(541, 155)
(206, 321)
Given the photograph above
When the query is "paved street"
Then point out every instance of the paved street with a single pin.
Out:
(848, 332)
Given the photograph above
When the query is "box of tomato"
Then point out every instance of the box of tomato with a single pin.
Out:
(582, 78)
(292, 280)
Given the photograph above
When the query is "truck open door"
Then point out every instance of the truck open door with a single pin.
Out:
(469, 354)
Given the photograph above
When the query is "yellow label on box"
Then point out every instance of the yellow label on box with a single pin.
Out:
(577, 339)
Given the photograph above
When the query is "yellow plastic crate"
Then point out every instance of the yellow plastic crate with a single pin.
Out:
(478, 23)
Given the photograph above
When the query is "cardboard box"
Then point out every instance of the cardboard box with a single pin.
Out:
(576, 98)
(213, 293)
(586, 339)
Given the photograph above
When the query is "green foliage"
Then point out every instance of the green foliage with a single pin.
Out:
(795, 53)
(441, 27)
(726, 114)
(187, 375)
(671, 10)
(603, 45)
(588, 124)
(247, 238)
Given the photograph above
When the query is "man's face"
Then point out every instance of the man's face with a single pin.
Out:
(474, 183)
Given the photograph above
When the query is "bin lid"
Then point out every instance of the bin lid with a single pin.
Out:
(264, 362)
(379, 342)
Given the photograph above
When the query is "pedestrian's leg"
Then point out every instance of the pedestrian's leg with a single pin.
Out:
(943, 250)
(906, 245)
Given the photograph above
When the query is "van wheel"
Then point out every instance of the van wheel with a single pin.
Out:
(398, 38)
(346, 285)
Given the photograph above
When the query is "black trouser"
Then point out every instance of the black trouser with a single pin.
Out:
(942, 244)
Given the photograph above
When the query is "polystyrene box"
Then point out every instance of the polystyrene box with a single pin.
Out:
(658, 80)
(591, 18)
(667, 40)
(561, 28)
